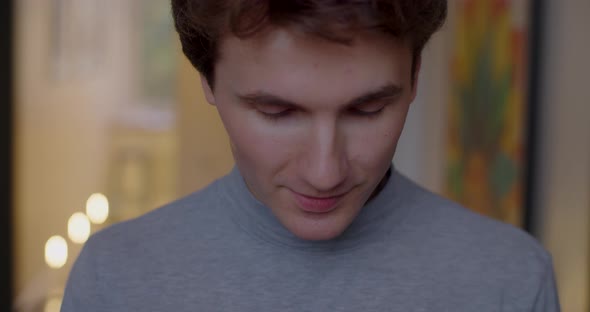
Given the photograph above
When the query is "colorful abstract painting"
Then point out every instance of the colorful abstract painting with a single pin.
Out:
(488, 107)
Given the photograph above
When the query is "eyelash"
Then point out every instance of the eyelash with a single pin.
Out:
(276, 116)
(371, 114)
(287, 112)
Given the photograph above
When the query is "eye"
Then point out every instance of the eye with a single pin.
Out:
(369, 110)
(274, 112)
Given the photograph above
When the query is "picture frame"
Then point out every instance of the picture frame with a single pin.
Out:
(492, 107)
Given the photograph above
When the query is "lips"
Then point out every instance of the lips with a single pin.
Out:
(317, 204)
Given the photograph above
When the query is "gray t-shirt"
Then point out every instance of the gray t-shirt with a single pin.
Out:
(222, 250)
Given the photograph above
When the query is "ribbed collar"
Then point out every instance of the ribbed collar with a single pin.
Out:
(379, 216)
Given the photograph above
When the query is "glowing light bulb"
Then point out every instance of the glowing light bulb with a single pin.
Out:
(78, 228)
(56, 252)
(97, 208)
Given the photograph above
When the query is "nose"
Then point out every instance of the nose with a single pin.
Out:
(326, 164)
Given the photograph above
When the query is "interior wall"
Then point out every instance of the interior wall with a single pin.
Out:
(564, 151)
(60, 138)
(204, 151)
(421, 150)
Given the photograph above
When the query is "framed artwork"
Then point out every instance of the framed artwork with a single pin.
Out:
(490, 107)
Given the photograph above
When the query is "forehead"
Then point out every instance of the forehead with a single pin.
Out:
(296, 65)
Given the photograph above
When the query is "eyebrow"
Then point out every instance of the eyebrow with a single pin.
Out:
(264, 98)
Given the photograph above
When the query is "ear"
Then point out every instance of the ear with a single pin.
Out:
(209, 96)
(416, 75)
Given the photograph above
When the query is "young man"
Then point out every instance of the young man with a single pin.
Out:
(314, 95)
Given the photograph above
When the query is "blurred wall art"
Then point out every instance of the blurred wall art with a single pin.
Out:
(489, 109)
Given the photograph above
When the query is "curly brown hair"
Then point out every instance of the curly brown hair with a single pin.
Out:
(202, 23)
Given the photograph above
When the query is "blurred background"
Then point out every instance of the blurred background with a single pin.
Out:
(105, 120)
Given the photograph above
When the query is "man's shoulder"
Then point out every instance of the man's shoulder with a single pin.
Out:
(161, 243)
(477, 254)
(188, 217)
(453, 229)
(464, 253)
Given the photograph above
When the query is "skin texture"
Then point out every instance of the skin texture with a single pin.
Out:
(301, 124)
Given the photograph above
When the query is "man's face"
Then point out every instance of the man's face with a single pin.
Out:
(313, 124)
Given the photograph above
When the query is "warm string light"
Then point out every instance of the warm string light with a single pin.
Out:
(97, 208)
(78, 228)
(56, 247)
(56, 252)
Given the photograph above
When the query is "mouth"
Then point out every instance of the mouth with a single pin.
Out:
(314, 204)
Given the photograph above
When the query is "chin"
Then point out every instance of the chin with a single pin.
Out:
(313, 230)
(317, 236)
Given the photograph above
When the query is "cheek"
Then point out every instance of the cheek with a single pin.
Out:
(257, 144)
(374, 149)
